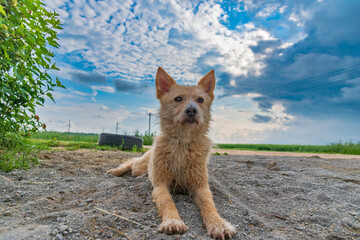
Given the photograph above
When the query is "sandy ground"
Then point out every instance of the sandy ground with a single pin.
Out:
(265, 197)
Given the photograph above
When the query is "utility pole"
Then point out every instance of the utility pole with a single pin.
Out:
(69, 127)
(149, 121)
(117, 127)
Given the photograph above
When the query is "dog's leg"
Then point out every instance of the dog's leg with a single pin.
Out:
(171, 221)
(216, 226)
(140, 165)
(123, 168)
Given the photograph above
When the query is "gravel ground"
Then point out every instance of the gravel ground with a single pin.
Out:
(265, 197)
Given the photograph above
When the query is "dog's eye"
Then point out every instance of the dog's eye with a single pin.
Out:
(178, 99)
(200, 100)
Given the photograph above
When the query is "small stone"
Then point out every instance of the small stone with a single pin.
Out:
(63, 214)
(59, 236)
(63, 228)
(65, 233)
(54, 232)
(90, 200)
(7, 199)
(7, 213)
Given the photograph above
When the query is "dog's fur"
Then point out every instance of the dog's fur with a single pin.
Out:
(180, 154)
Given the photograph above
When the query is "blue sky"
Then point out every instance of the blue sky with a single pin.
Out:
(287, 71)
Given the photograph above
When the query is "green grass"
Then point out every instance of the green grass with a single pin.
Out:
(147, 138)
(85, 137)
(71, 141)
(42, 144)
(16, 152)
(342, 148)
(61, 136)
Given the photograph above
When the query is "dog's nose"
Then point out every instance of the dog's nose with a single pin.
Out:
(191, 111)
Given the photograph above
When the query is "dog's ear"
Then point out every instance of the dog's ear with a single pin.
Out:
(163, 82)
(208, 83)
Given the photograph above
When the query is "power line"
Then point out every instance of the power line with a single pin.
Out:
(324, 84)
(314, 78)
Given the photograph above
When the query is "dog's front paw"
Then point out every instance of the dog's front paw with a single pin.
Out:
(172, 226)
(220, 229)
(115, 171)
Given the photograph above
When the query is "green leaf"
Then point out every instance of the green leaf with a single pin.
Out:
(50, 96)
(58, 83)
(54, 67)
(2, 10)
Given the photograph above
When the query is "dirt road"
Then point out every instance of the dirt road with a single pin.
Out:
(265, 197)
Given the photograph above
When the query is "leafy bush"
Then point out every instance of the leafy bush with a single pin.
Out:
(16, 152)
(27, 30)
(147, 138)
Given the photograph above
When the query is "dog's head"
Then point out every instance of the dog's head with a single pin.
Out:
(184, 106)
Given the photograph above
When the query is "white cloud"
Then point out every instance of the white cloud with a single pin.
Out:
(268, 10)
(80, 93)
(231, 125)
(87, 117)
(350, 94)
(131, 40)
(300, 16)
(106, 89)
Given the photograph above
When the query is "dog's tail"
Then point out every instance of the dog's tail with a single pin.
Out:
(139, 166)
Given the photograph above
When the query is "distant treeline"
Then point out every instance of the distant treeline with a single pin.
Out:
(342, 148)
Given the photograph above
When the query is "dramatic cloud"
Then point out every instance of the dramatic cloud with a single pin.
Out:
(131, 39)
(130, 87)
(280, 65)
(317, 76)
(88, 77)
(261, 118)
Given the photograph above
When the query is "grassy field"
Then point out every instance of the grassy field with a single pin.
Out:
(61, 136)
(42, 144)
(74, 141)
(342, 148)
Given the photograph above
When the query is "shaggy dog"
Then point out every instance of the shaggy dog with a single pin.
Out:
(179, 156)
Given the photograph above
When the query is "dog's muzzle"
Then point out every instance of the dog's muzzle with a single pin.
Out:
(191, 112)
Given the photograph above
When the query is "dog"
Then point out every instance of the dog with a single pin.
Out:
(180, 154)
